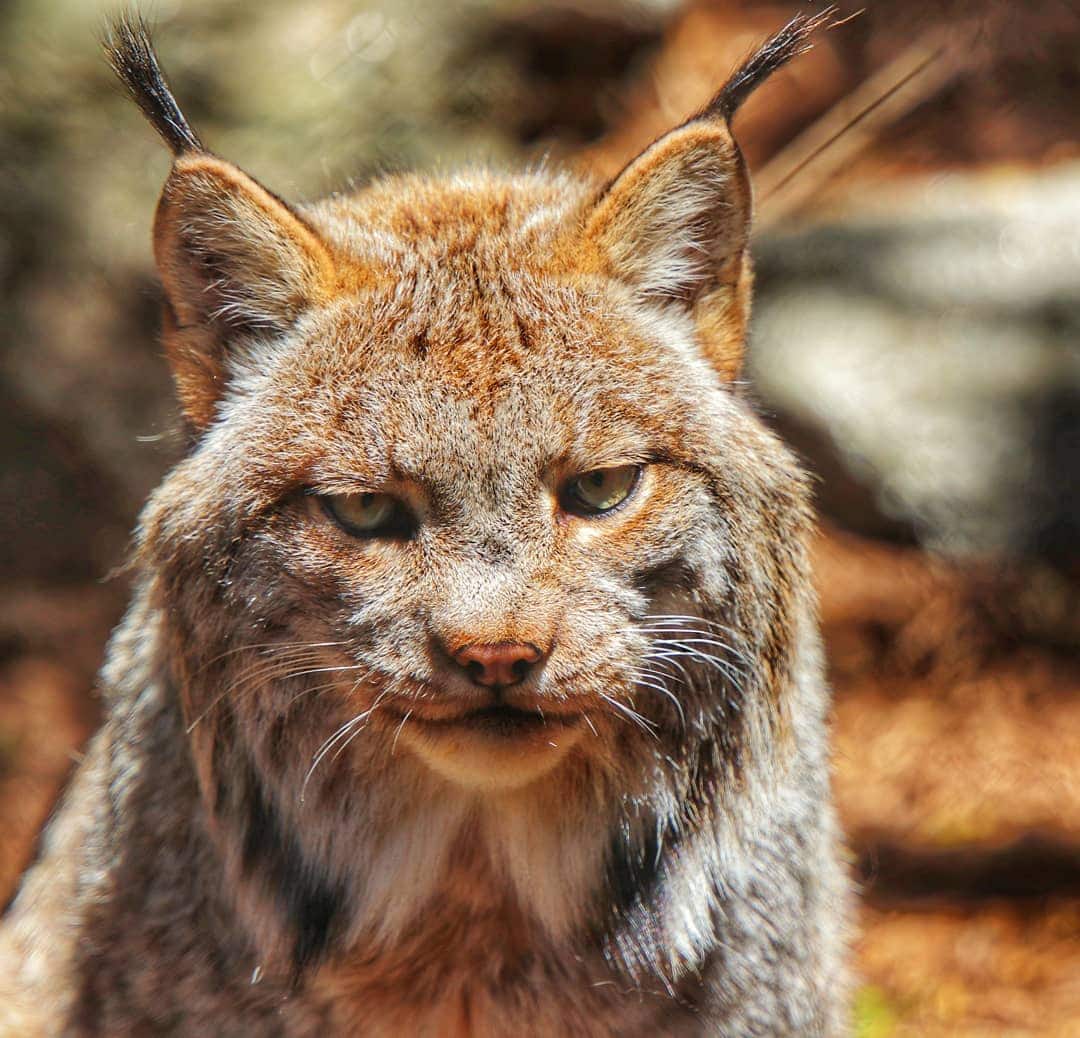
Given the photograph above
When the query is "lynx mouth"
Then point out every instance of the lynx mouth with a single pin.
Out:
(493, 747)
(500, 720)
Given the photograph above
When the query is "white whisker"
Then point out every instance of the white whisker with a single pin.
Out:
(695, 638)
(256, 646)
(343, 669)
(370, 710)
(328, 744)
(660, 687)
(684, 679)
(397, 734)
(723, 666)
(632, 715)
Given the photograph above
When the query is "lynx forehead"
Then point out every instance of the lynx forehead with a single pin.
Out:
(472, 684)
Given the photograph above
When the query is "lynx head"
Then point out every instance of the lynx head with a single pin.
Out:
(474, 511)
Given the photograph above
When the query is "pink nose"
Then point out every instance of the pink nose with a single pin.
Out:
(504, 663)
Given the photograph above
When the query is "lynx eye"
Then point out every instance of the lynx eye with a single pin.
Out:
(600, 491)
(367, 515)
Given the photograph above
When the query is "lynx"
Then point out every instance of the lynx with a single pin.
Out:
(472, 682)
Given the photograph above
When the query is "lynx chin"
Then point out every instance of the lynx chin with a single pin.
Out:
(472, 683)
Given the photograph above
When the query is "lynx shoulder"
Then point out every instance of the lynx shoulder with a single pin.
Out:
(471, 684)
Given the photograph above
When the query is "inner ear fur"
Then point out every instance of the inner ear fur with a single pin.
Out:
(674, 225)
(234, 261)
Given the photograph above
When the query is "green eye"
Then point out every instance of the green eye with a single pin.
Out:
(601, 490)
(367, 515)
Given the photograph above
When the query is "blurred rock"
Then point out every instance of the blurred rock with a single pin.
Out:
(922, 350)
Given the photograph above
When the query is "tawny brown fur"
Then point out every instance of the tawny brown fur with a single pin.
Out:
(292, 822)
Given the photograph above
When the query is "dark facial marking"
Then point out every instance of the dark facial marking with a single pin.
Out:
(311, 903)
(671, 575)
(635, 873)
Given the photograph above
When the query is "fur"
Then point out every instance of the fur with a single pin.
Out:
(284, 827)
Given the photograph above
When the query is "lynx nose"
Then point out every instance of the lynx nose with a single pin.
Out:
(504, 663)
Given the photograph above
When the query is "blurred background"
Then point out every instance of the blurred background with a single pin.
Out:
(915, 339)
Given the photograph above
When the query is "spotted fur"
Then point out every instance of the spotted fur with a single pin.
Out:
(273, 833)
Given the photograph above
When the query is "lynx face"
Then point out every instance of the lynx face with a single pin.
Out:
(482, 491)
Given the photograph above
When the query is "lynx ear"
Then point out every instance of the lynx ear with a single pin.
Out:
(234, 260)
(675, 223)
(677, 218)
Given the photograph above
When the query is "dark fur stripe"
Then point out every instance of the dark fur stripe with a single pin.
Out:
(311, 903)
(634, 867)
(630, 933)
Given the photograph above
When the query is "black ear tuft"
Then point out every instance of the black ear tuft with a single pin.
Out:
(131, 55)
(787, 43)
